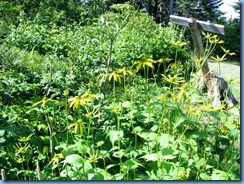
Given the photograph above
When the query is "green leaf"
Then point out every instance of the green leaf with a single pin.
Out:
(83, 149)
(219, 175)
(168, 153)
(205, 176)
(2, 133)
(137, 129)
(235, 111)
(74, 159)
(131, 164)
(2, 139)
(95, 176)
(86, 167)
(193, 145)
(119, 176)
(165, 140)
(148, 135)
(154, 128)
(200, 163)
(115, 135)
(141, 177)
(102, 174)
(110, 166)
(232, 128)
(168, 166)
(197, 97)
(119, 154)
(151, 157)
(199, 135)
(215, 114)
(180, 119)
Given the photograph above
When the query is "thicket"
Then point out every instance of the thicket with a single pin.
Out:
(112, 99)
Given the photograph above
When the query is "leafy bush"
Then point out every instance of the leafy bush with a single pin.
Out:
(110, 100)
(42, 38)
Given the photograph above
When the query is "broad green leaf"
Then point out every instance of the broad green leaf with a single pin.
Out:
(193, 145)
(151, 157)
(196, 97)
(199, 135)
(190, 162)
(232, 128)
(165, 140)
(2, 140)
(131, 164)
(82, 148)
(219, 175)
(148, 135)
(168, 166)
(95, 176)
(137, 129)
(152, 175)
(215, 114)
(180, 119)
(200, 163)
(86, 167)
(74, 159)
(111, 165)
(205, 176)
(141, 177)
(102, 175)
(154, 128)
(2, 133)
(114, 148)
(119, 154)
(167, 153)
(119, 176)
(115, 135)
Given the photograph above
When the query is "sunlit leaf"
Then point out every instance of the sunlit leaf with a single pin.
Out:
(200, 163)
(74, 159)
(193, 144)
(151, 157)
(115, 135)
(205, 176)
(168, 154)
(86, 167)
(119, 154)
(219, 175)
(180, 119)
(165, 140)
(131, 164)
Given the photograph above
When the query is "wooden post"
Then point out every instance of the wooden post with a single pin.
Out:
(197, 39)
(171, 7)
(196, 27)
(208, 79)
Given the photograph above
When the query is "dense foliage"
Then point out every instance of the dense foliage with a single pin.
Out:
(110, 98)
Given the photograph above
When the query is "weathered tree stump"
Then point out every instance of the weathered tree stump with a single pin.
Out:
(217, 88)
